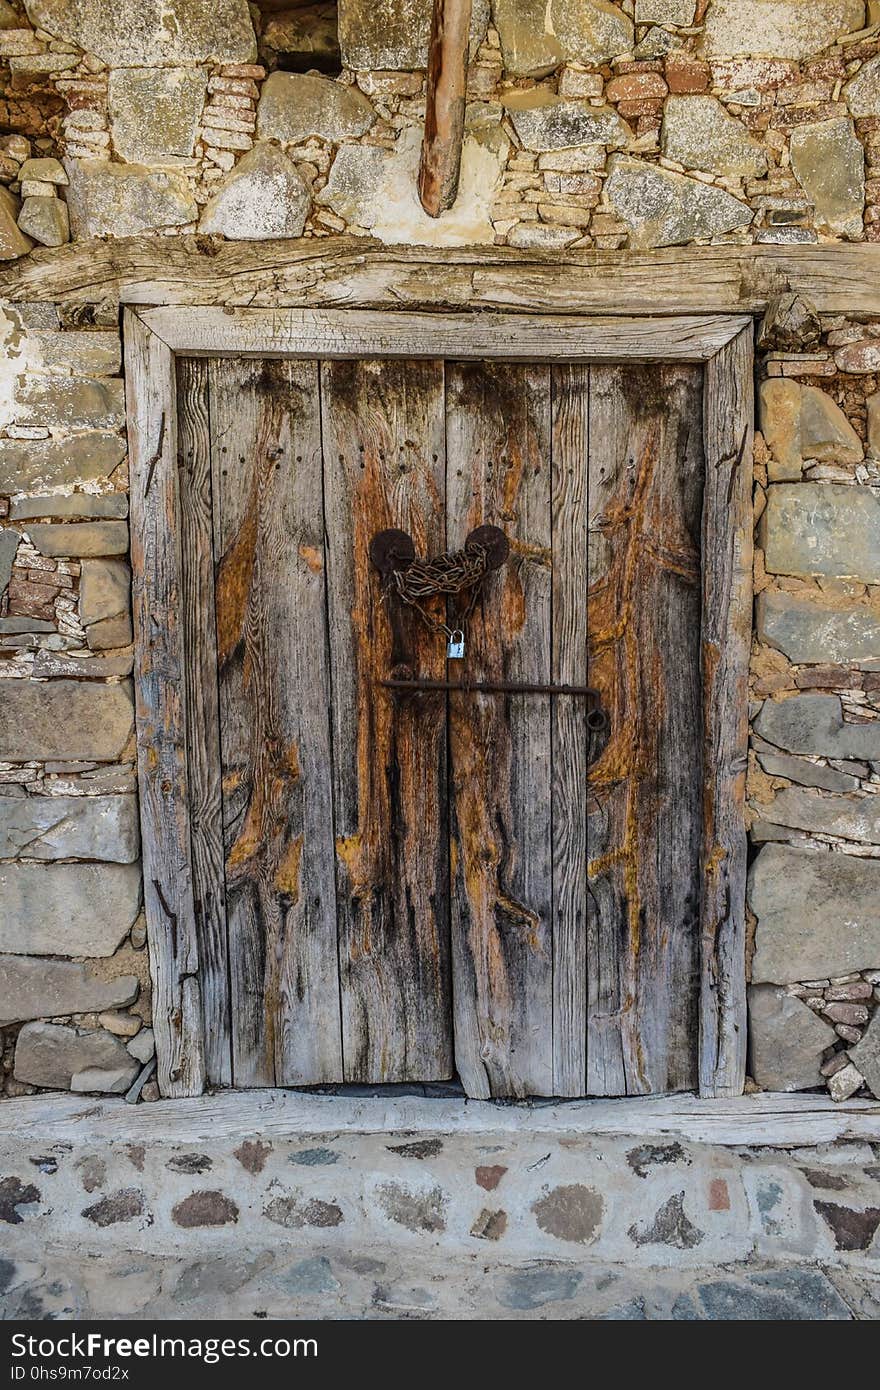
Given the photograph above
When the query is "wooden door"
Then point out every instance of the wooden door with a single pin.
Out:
(404, 886)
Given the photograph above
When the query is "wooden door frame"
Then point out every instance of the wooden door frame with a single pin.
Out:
(154, 337)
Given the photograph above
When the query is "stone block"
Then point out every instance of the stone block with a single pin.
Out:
(104, 590)
(262, 198)
(32, 987)
(84, 353)
(662, 208)
(537, 35)
(779, 415)
(45, 220)
(143, 1046)
(69, 720)
(151, 32)
(26, 464)
(814, 724)
(80, 538)
(822, 529)
(826, 434)
(77, 504)
(109, 633)
(43, 170)
(107, 199)
(49, 1054)
(698, 132)
(865, 1055)
(818, 914)
(778, 28)
(67, 909)
(828, 161)
(545, 122)
(154, 112)
(786, 1041)
(9, 542)
(805, 774)
(13, 242)
(393, 34)
(69, 827)
(860, 357)
(812, 630)
(851, 817)
(862, 92)
(106, 1080)
(70, 402)
(294, 106)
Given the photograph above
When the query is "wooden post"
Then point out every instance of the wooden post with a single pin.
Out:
(445, 104)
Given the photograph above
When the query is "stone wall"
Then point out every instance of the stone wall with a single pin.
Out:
(72, 934)
(589, 124)
(814, 765)
(649, 123)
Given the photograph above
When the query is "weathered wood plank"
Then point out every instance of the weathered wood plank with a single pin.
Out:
(644, 503)
(203, 726)
(498, 472)
(274, 697)
(444, 105)
(356, 333)
(160, 701)
(384, 459)
(570, 449)
(362, 273)
(765, 1120)
(727, 621)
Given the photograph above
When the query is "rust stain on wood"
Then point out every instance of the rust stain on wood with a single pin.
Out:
(233, 584)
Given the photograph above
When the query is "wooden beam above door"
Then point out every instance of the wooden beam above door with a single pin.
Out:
(358, 272)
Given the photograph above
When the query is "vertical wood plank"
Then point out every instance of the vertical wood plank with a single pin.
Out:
(726, 638)
(384, 457)
(274, 698)
(203, 726)
(498, 472)
(569, 742)
(160, 703)
(644, 603)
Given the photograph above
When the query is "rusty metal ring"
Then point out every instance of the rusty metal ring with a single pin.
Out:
(493, 541)
(392, 550)
(597, 721)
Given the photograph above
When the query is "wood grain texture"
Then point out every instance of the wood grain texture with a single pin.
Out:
(444, 105)
(768, 1119)
(357, 333)
(161, 713)
(569, 741)
(498, 472)
(645, 492)
(384, 452)
(203, 722)
(726, 639)
(274, 700)
(362, 273)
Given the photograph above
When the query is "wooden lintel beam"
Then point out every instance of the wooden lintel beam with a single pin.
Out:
(445, 105)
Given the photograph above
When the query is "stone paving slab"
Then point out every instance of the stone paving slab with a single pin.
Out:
(283, 1282)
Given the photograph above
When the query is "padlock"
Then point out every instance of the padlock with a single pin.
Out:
(455, 646)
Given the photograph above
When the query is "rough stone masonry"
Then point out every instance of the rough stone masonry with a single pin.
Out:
(643, 124)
